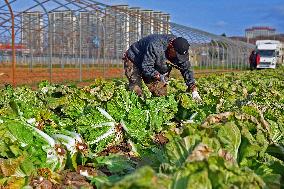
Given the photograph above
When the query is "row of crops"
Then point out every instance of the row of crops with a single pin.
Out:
(103, 136)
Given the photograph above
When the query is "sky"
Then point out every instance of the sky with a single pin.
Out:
(231, 17)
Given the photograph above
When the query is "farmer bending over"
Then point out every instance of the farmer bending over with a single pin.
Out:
(152, 58)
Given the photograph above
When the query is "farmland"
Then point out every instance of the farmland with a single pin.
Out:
(25, 75)
(104, 136)
(32, 76)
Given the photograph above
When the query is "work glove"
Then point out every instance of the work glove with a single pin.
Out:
(164, 78)
(196, 96)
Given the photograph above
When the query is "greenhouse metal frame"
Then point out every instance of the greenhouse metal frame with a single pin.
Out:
(81, 40)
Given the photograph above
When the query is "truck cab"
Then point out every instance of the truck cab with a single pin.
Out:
(269, 51)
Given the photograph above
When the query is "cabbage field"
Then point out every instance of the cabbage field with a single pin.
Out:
(103, 136)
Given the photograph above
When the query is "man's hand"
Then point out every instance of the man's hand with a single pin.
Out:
(196, 96)
(157, 76)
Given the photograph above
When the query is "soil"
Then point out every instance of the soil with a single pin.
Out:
(75, 180)
(58, 75)
(122, 148)
(160, 139)
(68, 179)
(27, 76)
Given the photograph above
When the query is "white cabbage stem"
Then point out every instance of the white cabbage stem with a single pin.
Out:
(31, 120)
(193, 116)
(107, 134)
(124, 126)
(133, 148)
(103, 112)
(190, 119)
(74, 135)
(47, 138)
(109, 124)
(69, 142)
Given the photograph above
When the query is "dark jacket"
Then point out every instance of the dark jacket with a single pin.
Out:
(149, 55)
(254, 58)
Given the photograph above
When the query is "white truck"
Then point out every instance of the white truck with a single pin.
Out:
(270, 52)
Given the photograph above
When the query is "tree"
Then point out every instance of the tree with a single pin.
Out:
(224, 35)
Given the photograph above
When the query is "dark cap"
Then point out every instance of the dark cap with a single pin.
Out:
(181, 47)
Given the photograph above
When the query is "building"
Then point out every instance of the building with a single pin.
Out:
(116, 30)
(165, 17)
(63, 33)
(157, 22)
(96, 33)
(259, 31)
(154, 22)
(90, 34)
(146, 22)
(32, 35)
(134, 24)
(147, 25)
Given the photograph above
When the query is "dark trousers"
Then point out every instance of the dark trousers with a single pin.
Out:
(252, 66)
(134, 76)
